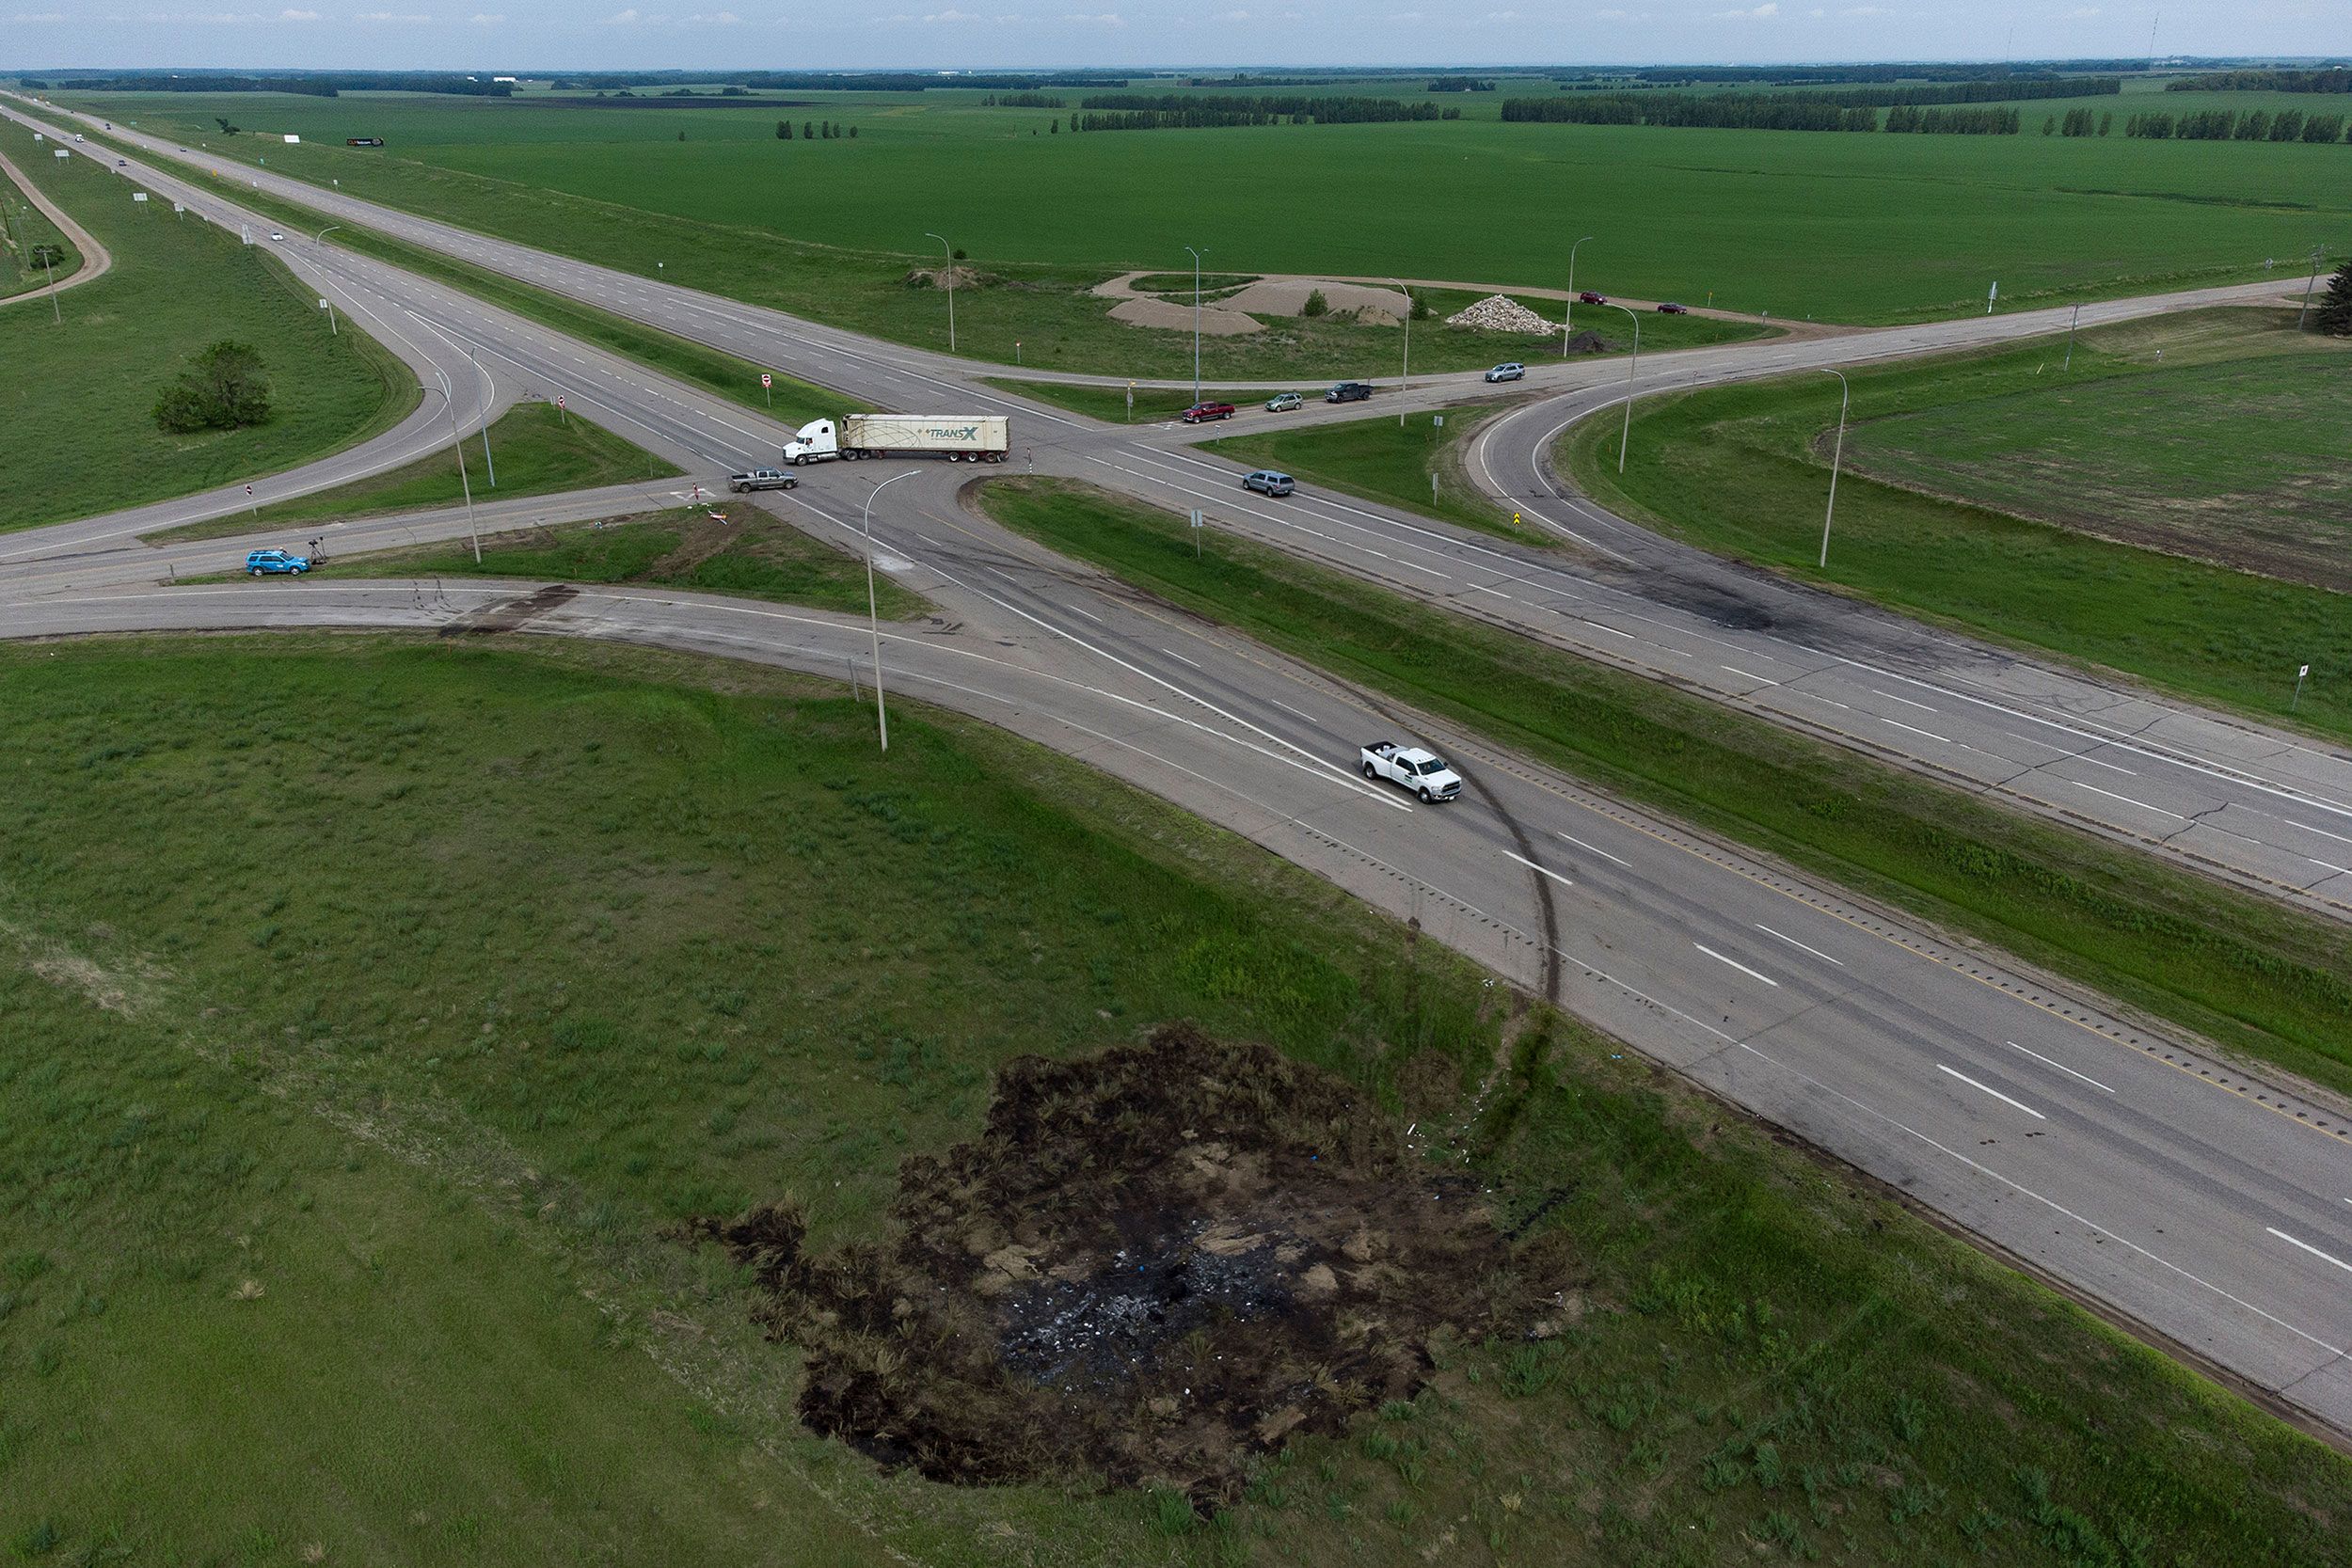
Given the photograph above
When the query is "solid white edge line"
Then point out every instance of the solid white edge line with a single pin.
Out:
(1994, 1092)
(1736, 965)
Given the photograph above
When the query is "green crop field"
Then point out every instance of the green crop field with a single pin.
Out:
(80, 395)
(2229, 449)
(344, 1161)
(1858, 228)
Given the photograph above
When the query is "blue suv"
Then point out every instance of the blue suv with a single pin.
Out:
(275, 563)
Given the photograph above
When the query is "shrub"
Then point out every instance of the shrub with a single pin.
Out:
(224, 390)
(1316, 305)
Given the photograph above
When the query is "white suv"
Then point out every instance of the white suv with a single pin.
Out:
(1512, 372)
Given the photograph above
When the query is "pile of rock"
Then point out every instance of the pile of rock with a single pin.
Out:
(1498, 313)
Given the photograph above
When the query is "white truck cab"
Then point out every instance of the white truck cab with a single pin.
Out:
(1421, 770)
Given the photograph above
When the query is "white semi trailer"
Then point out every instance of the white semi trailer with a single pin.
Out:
(959, 438)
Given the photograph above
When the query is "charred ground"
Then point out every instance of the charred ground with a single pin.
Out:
(1151, 1263)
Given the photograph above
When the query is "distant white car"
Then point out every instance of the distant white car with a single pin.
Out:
(1512, 372)
(276, 235)
(1421, 770)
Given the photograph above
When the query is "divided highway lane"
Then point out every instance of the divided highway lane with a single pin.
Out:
(2200, 1202)
(2265, 809)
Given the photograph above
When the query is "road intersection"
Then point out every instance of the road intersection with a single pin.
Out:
(2136, 1167)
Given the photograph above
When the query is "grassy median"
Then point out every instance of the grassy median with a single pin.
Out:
(2236, 967)
(377, 1006)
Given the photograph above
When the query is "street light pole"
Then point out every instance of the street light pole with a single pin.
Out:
(1569, 316)
(320, 238)
(2070, 338)
(873, 621)
(1627, 434)
(950, 275)
(490, 462)
(1196, 324)
(2317, 251)
(457, 444)
(1408, 346)
(1845, 394)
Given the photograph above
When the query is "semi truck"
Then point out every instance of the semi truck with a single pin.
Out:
(960, 438)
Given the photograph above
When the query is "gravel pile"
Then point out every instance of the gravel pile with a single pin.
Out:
(1498, 313)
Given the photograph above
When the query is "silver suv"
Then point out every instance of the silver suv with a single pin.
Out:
(1267, 482)
(1512, 371)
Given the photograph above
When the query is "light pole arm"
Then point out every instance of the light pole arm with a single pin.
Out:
(1837, 455)
(873, 620)
(1625, 435)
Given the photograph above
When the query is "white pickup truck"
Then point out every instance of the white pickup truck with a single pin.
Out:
(1424, 772)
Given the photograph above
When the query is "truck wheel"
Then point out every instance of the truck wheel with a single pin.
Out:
(1371, 772)
(1426, 798)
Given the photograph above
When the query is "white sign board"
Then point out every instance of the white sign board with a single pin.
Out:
(63, 153)
(176, 208)
(292, 140)
(138, 195)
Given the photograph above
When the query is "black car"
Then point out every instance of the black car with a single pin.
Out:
(1348, 392)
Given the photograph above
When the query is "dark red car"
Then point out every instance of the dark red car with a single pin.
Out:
(1200, 412)
(1671, 308)
(1589, 298)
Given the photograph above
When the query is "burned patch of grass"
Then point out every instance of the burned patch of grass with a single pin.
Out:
(1151, 1264)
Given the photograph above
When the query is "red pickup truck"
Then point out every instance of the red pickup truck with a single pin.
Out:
(1202, 411)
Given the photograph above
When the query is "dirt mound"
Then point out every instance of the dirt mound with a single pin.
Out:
(1586, 341)
(1151, 1263)
(1287, 296)
(956, 276)
(1497, 314)
(1216, 321)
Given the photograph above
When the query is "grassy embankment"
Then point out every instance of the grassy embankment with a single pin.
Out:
(2234, 966)
(540, 451)
(340, 1176)
(1762, 220)
(23, 229)
(2231, 448)
(753, 555)
(80, 429)
(1384, 461)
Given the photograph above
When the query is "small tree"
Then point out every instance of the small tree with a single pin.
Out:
(854, 132)
(224, 390)
(784, 130)
(808, 130)
(1054, 129)
(2334, 315)
(45, 255)
(1316, 305)
(2106, 122)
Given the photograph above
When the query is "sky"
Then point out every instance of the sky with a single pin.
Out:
(525, 34)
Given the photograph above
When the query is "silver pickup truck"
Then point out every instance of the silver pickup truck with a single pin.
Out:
(762, 479)
(1424, 772)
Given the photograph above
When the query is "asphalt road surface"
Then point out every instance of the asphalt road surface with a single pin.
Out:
(2135, 1169)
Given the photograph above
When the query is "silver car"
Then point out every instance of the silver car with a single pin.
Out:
(1267, 482)
(1282, 403)
(1511, 371)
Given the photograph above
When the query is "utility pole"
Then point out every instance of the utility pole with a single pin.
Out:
(457, 444)
(1568, 317)
(1408, 346)
(950, 275)
(1627, 434)
(2317, 251)
(2070, 338)
(1196, 324)
(488, 460)
(1845, 393)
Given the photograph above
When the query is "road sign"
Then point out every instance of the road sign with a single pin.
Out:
(2304, 674)
(1438, 419)
(767, 380)
(63, 153)
(559, 400)
(177, 209)
(138, 195)
(1198, 524)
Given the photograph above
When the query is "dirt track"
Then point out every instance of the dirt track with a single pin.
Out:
(96, 258)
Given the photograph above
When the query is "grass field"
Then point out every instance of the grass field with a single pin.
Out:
(539, 450)
(80, 397)
(337, 1226)
(752, 556)
(2230, 449)
(1384, 460)
(22, 227)
(1861, 228)
(2235, 967)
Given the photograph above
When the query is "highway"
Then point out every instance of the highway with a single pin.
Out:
(2132, 1167)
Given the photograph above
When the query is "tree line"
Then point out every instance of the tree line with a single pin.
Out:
(811, 130)
(1023, 101)
(1784, 111)
(1789, 76)
(2230, 125)
(1174, 110)
(2332, 79)
(312, 85)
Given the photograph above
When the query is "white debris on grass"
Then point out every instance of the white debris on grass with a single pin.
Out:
(1498, 313)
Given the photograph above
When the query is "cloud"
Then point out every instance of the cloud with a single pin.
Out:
(486, 19)
(624, 19)
(713, 19)
(1501, 16)
(950, 16)
(1097, 19)
(297, 15)
(1612, 16)
(405, 19)
(34, 18)
(1764, 12)
(204, 19)
(1865, 10)
(2082, 13)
